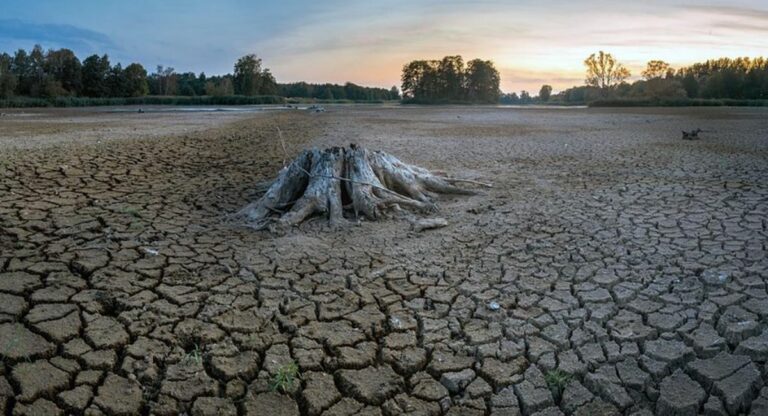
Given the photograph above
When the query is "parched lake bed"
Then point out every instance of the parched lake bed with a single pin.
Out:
(612, 269)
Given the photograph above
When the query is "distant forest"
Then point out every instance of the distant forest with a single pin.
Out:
(449, 81)
(59, 73)
(723, 81)
(58, 77)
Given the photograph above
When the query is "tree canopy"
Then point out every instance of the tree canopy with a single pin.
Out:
(724, 78)
(449, 80)
(59, 72)
(603, 71)
(545, 92)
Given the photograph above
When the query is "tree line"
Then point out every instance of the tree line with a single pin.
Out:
(449, 81)
(60, 73)
(723, 78)
(348, 91)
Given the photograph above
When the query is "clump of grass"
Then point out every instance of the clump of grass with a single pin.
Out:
(132, 212)
(285, 378)
(557, 380)
(195, 356)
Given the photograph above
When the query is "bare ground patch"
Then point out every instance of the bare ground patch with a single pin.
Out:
(611, 268)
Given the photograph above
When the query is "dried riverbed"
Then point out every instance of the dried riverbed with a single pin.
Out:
(612, 269)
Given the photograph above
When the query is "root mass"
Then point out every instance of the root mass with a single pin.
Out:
(328, 182)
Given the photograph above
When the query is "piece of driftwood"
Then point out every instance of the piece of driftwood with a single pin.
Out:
(428, 224)
(370, 184)
(691, 135)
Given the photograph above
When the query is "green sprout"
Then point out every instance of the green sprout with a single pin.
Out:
(195, 355)
(285, 378)
(132, 212)
(557, 380)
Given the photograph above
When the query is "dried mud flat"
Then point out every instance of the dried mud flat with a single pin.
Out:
(613, 268)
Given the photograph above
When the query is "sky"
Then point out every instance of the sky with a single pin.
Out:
(367, 42)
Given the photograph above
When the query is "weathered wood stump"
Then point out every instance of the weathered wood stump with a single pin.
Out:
(328, 182)
(691, 135)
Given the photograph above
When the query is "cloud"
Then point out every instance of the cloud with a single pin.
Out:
(734, 11)
(742, 26)
(73, 37)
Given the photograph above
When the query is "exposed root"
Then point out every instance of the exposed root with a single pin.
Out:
(323, 192)
(285, 190)
(369, 196)
(375, 184)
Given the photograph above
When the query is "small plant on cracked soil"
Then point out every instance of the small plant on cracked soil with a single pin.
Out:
(194, 356)
(557, 380)
(285, 378)
(132, 211)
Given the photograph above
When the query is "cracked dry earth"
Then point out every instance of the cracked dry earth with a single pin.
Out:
(613, 269)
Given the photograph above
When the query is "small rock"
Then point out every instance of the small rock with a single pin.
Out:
(714, 277)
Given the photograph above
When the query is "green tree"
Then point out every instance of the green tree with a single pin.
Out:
(268, 83)
(421, 81)
(482, 81)
(135, 80)
(656, 69)
(95, 71)
(36, 77)
(219, 86)
(186, 83)
(510, 98)
(326, 93)
(117, 84)
(603, 71)
(545, 92)
(200, 84)
(394, 93)
(165, 81)
(20, 67)
(691, 85)
(248, 76)
(451, 73)
(63, 67)
(8, 79)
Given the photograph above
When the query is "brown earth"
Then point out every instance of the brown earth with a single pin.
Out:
(612, 269)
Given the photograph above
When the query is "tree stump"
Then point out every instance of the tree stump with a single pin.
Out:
(330, 182)
(691, 135)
